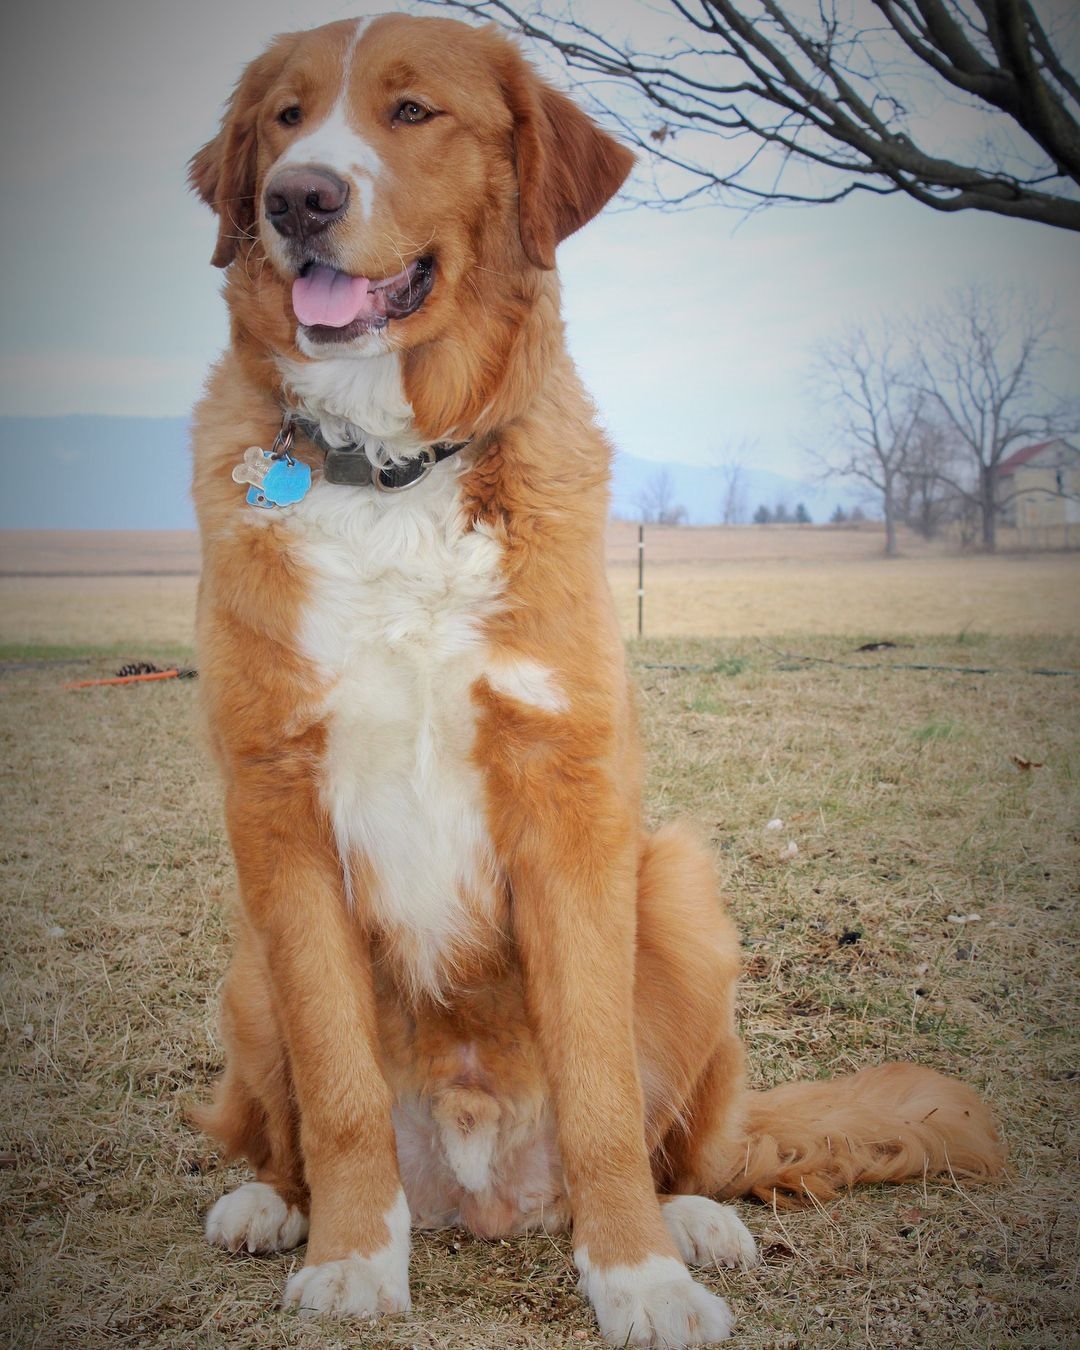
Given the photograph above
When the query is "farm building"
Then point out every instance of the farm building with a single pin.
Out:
(1038, 491)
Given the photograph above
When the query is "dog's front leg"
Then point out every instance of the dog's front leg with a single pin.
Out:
(574, 894)
(320, 976)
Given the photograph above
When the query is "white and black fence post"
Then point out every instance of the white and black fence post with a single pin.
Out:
(640, 580)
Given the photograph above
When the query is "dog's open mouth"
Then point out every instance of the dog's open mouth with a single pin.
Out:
(335, 307)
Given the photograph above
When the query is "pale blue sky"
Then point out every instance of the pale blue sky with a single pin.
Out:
(693, 330)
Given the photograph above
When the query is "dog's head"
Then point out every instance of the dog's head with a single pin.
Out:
(376, 182)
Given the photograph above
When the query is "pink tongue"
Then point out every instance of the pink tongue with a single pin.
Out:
(331, 299)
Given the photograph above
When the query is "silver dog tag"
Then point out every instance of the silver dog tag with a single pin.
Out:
(347, 468)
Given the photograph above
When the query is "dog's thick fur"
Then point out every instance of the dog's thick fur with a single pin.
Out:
(467, 989)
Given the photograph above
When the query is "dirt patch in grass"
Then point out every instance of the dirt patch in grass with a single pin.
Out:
(903, 809)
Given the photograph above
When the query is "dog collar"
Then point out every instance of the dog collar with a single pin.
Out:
(277, 478)
(348, 465)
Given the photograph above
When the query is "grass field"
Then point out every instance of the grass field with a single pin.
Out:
(905, 794)
(753, 581)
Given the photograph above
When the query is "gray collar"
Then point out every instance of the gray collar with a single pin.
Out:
(349, 466)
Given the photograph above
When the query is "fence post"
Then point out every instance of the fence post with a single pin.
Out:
(640, 580)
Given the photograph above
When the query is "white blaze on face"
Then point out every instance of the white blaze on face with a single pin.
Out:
(335, 144)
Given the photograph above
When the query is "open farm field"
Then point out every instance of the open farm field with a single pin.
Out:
(132, 589)
(98, 552)
(873, 597)
(750, 580)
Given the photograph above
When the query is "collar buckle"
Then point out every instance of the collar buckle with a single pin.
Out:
(399, 477)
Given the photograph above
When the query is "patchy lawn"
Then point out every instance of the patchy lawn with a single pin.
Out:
(905, 800)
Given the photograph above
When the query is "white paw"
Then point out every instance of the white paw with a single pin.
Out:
(654, 1303)
(254, 1218)
(358, 1286)
(708, 1234)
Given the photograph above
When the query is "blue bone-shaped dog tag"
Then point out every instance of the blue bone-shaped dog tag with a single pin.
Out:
(274, 482)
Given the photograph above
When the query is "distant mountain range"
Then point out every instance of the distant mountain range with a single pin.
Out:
(132, 473)
(95, 473)
(700, 491)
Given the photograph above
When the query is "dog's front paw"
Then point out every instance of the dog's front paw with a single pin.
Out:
(654, 1304)
(708, 1234)
(254, 1218)
(358, 1286)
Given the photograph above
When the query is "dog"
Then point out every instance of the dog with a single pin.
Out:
(467, 988)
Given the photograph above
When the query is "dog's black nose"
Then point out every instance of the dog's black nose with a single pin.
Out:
(304, 200)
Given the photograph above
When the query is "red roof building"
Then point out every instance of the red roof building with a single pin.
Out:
(1038, 491)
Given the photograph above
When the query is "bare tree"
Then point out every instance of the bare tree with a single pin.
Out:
(977, 366)
(733, 500)
(758, 101)
(926, 497)
(656, 501)
(877, 417)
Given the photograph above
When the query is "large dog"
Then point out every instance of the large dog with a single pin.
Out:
(467, 988)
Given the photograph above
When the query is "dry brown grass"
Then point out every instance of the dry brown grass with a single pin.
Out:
(873, 597)
(900, 793)
(136, 611)
(749, 580)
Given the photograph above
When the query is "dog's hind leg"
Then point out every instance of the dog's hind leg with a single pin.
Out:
(709, 1136)
(254, 1116)
(690, 1056)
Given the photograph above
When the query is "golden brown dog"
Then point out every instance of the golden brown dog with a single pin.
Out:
(467, 988)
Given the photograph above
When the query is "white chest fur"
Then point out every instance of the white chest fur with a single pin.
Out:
(402, 585)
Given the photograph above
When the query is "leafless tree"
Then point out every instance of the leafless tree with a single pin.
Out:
(977, 367)
(733, 498)
(878, 414)
(926, 497)
(960, 104)
(656, 501)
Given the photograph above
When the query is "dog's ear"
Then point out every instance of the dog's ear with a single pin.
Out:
(223, 172)
(567, 168)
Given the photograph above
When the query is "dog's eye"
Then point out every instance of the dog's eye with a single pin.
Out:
(410, 111)
(290, 117)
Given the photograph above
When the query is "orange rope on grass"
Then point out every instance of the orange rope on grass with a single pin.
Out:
(126, 679)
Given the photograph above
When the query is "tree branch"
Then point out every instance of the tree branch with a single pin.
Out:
(832, 97)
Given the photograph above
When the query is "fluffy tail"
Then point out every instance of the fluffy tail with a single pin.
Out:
(888, 1123)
